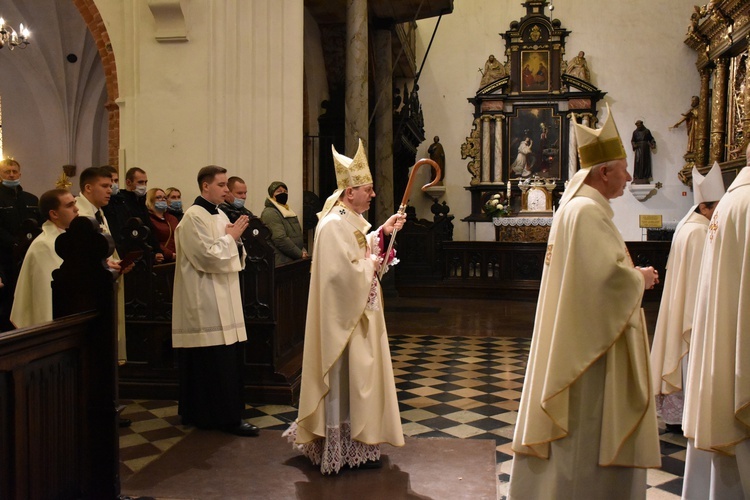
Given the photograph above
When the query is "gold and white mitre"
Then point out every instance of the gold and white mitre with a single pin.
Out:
(595, 146)
(350, 172)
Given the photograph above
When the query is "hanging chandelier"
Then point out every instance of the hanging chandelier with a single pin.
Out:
(13, 38)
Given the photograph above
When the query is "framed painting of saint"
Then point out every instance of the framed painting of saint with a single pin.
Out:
(534, 147)
(535, 71)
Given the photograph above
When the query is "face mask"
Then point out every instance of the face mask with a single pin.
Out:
(281, 198)
(176, 205)
(115, 188)
(160, 205)
(12, 184)
(238, 203)
(140, 190)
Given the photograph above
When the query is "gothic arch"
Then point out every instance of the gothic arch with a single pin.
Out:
(95, 24)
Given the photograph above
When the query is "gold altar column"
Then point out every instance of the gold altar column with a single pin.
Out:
(701, 136)
(719, 111)
(486, 166)
(384, 203)
(356, 104)
(498, 164)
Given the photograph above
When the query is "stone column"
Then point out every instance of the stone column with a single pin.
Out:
(384, 202)
(486, 166)
(356, 104)
(572, 149)
(498, 165)
(701, 134)
(719, 111)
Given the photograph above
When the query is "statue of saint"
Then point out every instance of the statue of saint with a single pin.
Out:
(643, 143)
(578, 67)
(493, 70)
(690, 119)
(437, 154)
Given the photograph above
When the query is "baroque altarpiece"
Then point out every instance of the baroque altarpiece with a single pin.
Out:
(718, 124)
(522, 129)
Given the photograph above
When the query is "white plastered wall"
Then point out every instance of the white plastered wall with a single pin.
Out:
(231, 95)
(636, 55)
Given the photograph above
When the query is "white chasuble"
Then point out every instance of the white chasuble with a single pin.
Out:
(588, 315)
(717, 405)
(206, 306)
(33, 299)
(345, 318)
(675, 321)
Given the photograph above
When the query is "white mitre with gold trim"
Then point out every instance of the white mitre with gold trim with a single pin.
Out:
(595, 146)
(350, 172)
(709, 187)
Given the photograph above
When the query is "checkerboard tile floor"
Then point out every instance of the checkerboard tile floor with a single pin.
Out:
(460, 387)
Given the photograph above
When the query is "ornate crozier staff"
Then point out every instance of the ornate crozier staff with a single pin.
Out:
(405, 200)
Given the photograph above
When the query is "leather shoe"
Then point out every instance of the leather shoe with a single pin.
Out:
(370, 464)
(243, 430)
(124, 422)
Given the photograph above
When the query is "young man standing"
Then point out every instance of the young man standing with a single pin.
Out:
(208, 325)
(33, 299)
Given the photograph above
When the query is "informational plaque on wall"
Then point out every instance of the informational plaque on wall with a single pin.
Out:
(650, 221)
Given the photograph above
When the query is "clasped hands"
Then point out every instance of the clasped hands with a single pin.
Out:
(235, 230)
(650, 276)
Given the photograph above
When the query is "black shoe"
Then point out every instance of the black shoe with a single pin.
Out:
(674, 428)
(124, 422)
(243, 429)
(370, 464)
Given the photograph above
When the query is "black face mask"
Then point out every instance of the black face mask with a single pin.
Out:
(281, 198)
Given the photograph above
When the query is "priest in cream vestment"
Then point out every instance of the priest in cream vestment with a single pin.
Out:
(717, 398)
(669, 351)
(348, 403)
(587, 426)
(33, 298)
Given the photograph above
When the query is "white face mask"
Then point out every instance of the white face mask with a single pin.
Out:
(140, 190)
(115, 188)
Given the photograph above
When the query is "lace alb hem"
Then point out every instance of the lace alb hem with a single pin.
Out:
(669, 407)
(336, 451)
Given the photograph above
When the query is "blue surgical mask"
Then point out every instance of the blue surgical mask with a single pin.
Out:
(140, 190)
(238, 203)
(160, 205)
(12, 184)
(115, 188)
(175, 205)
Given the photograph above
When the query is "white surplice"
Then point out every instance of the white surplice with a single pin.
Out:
(33, 299)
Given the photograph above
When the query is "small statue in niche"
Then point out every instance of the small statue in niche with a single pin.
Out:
(493, 70)
(643, 144)
(690, 119)
(578, 67)
(437, 154)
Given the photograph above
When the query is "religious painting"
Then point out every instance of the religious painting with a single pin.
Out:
(535, 71)
(534, 146)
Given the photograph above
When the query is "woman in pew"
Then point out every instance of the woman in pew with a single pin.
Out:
(174, 202)
(162, 221)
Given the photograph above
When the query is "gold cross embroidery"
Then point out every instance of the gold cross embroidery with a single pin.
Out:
(713, 226)
(548, 256)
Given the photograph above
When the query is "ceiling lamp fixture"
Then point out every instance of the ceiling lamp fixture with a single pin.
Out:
(9, 36)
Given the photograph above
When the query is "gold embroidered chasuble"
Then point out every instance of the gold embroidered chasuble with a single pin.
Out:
(589, 309)
(717, 402)
(345, 315)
